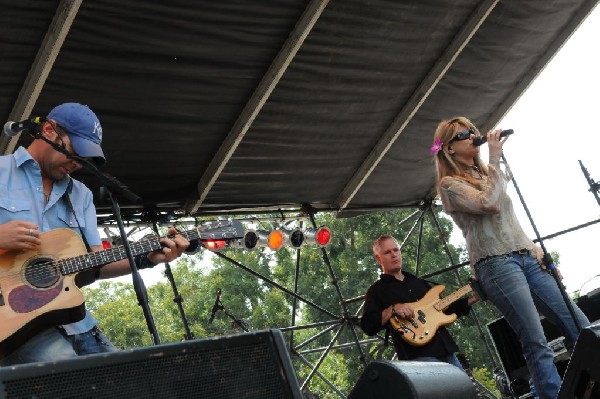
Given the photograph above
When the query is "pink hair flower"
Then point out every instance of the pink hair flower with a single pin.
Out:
(437, 146)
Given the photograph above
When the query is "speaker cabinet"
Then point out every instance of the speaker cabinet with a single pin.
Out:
(253, 365)
(413, 380)
(582, 378)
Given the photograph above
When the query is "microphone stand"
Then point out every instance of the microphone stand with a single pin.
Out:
(138, 283)
(547, 259)
(237, 321)
(177, 297)
(110, 185)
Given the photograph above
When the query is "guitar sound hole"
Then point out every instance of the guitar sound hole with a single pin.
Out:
(42, 273)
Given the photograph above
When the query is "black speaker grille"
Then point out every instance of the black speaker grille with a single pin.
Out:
(244, 370)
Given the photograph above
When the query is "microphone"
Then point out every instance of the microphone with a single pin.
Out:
(11, 129)
(477, 141)
(215, 307)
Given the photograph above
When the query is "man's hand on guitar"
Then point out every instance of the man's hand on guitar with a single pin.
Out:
(173, 248)
(18, 234)
(404, 311)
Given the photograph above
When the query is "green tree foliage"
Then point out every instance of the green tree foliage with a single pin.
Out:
(485, 377)
(250, 297)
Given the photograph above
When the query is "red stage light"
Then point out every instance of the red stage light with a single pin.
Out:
(320, 236)
(323, 236)
(214, 245)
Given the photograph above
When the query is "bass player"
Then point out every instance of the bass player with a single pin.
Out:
(392, 295)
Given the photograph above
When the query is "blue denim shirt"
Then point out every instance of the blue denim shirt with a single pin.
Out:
(22, 198)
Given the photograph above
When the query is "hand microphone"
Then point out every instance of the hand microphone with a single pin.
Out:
(11, 129)
(215, 307)
(477, 141)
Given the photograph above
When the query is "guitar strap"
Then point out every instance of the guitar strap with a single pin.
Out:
(70, 205)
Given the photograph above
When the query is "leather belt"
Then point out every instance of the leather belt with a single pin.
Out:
(521, 252)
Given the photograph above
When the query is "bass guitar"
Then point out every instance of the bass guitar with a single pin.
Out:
(429, 315)
(38, 290)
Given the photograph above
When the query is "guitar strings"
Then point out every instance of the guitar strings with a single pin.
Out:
(36, 276)
(48, 269)
(42, 271)
(54, 268)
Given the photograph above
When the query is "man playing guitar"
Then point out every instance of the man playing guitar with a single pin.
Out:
(37, 194)
(391, 297)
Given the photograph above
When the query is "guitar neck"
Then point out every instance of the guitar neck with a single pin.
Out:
(217, 230)
(442, 304)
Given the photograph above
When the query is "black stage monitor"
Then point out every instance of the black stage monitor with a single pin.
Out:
(252, 365)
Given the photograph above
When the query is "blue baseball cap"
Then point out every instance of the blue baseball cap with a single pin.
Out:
(83, 128)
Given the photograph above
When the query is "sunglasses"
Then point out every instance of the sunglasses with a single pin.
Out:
(463, 135)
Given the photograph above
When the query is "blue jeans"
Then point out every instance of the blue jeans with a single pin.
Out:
(48, 346)
(54, 344)
(519, 288)
(452, 359)
(92, 341)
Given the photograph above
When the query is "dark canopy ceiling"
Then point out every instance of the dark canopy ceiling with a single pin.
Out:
(216, 106)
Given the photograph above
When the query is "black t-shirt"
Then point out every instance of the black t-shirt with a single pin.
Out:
(389, 290)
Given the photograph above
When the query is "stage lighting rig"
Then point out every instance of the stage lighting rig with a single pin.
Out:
(279, 238)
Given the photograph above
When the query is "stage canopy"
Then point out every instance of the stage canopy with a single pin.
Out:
(229, 105)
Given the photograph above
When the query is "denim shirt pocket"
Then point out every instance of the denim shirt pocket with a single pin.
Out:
(14, 209)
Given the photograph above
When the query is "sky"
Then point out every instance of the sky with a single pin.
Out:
(555, 127)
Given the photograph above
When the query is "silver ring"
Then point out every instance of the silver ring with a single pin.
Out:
(31, 232)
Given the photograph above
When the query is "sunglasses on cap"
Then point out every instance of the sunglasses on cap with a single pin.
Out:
(463, 135)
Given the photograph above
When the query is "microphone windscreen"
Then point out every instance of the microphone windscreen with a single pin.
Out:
(8, 130)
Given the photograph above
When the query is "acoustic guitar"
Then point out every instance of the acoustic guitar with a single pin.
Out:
(429, 315)
(38, 290)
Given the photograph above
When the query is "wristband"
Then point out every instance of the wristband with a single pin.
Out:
(142, 262)
(194, 247)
